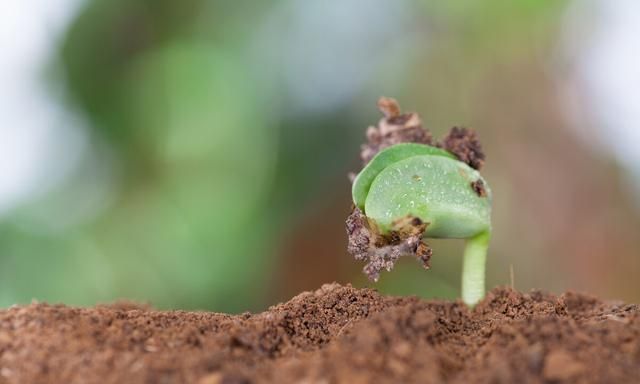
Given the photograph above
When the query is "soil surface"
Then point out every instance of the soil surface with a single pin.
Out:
(335, 334)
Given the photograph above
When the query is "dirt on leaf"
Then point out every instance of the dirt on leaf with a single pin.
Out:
(465, 145)
(337, 334)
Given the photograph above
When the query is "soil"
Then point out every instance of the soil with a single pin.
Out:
(381, 251)
(465, 145)
(335, 334)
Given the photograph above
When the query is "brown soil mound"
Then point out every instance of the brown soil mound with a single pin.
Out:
(335, 334)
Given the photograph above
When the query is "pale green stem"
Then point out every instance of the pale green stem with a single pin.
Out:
(473, 268)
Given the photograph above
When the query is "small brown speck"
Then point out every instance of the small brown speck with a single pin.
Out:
(424, 253)
(478, 188)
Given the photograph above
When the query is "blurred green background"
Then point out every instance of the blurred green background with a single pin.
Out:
(194, 154)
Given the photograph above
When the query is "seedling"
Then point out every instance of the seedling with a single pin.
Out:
(409, 191)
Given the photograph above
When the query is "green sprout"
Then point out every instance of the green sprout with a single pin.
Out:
(411, 191)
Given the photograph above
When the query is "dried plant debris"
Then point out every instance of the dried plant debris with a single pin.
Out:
(395, 127)
(381, 251)
(464, 144)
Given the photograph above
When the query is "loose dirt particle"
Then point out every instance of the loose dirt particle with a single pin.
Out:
(336, 334)
(465, 145)
(478, 188)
